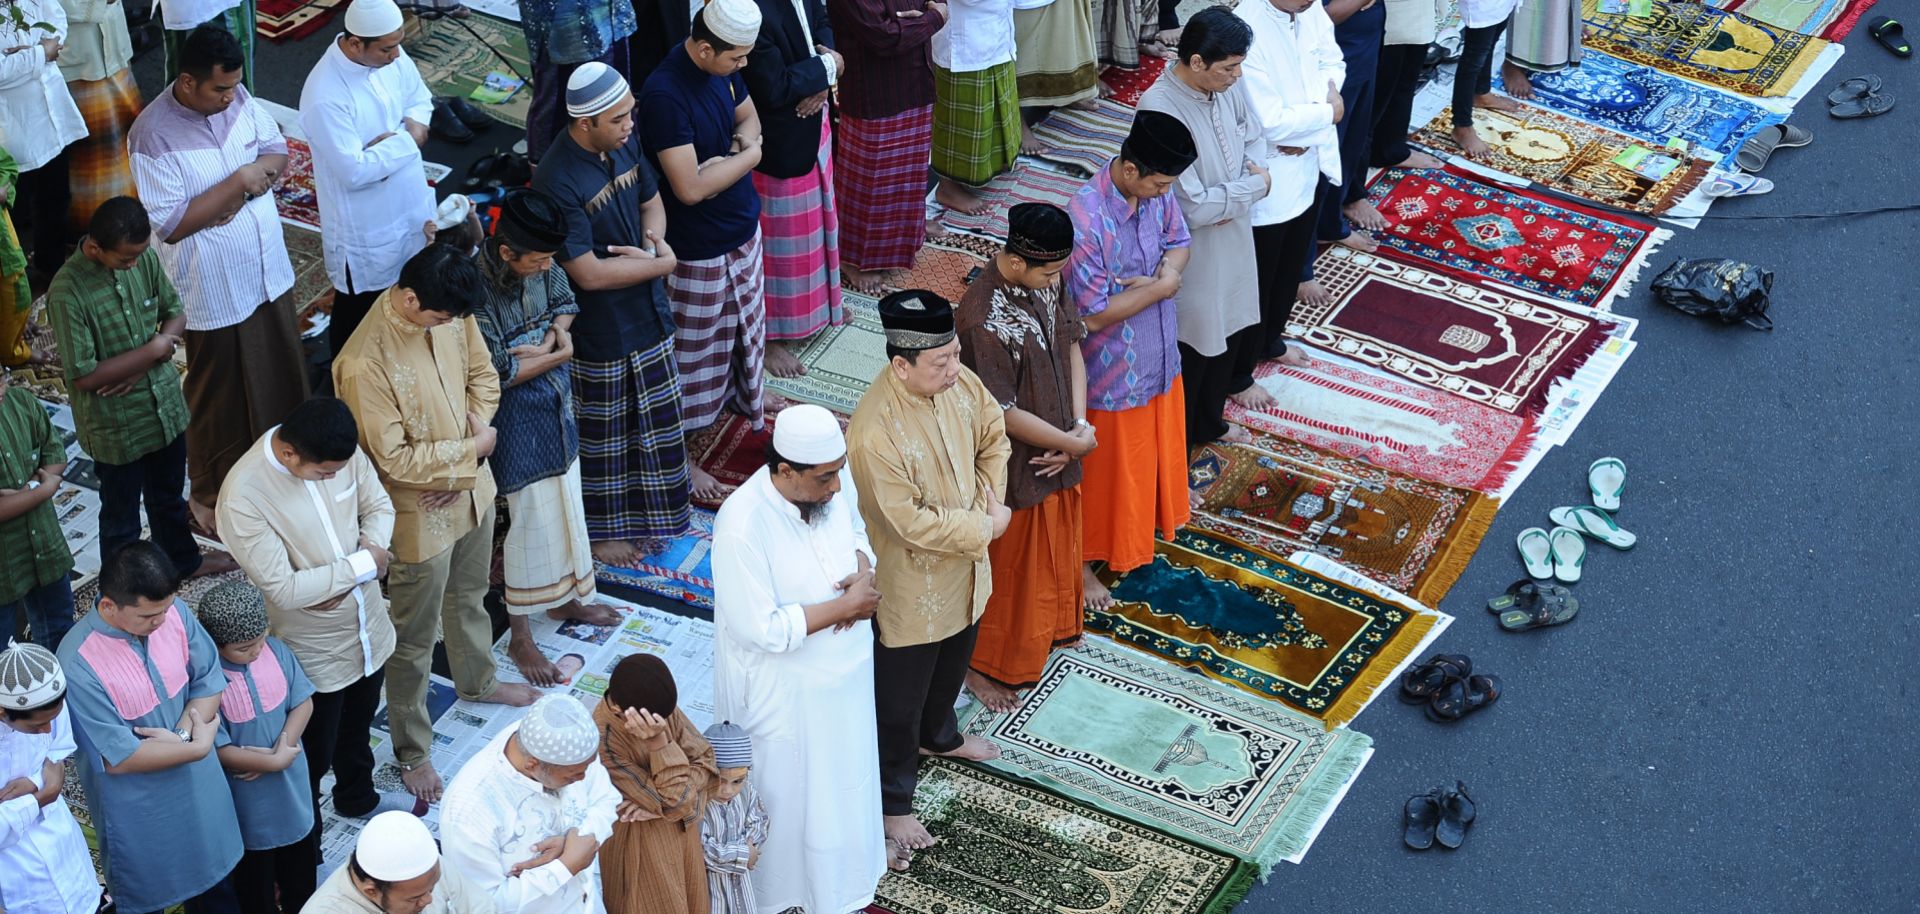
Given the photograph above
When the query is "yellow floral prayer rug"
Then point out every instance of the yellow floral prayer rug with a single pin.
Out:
(1279, 495)
(1714, 46)
(1009, 847)
(1150, 742)
(1574, 157)
(1248, 617)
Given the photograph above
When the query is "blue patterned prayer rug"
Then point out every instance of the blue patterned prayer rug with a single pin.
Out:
(1647, 104)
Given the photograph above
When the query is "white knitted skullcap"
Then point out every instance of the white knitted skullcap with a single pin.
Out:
(395, 846)
(808, 434)
(736, 22)
(559, 731)
(30, 676)
(373, 18)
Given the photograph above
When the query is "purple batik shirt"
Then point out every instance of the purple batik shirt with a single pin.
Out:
(1132, 361)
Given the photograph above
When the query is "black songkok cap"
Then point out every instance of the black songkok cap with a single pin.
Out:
(916, 319)
(1161, 143)
(533, 221)
(1039, 232)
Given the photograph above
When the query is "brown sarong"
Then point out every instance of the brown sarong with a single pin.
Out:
(241, 381)
(1037, 591)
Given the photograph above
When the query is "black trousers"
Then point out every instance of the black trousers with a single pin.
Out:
(1282, 252)
(1211, 379)
(1356, 140)
(1169, 15)
(218, 899)
(44, 195)
(1394, 85)
(349, 309)
(914, 689)
(1475, 73)
(158, 479)
(290, 869)
(336, 739)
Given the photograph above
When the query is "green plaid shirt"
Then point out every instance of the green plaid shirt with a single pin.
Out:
(32, 551)
(100, 313)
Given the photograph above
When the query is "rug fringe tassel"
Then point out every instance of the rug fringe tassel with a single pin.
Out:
(1630, 273)
(1445, 569)
(1510, 459)
(1337, 767)
(1380, 669)
(1233, 891)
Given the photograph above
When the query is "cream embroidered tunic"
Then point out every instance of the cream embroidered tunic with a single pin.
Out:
(923, 465)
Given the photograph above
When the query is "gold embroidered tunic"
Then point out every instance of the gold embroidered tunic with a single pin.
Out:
(923, 465)
(410, 389)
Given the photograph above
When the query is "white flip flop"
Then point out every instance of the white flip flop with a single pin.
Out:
(1536, 550)
(1595, 523)
(1569, 554)
(1607, 479)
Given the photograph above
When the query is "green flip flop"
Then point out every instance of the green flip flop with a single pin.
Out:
(1569, 554)
(1536, 550)
(1595, 523)
(1607, 479)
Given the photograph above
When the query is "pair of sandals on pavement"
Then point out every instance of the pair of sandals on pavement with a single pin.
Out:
(1448, 686)
(1440, 816)
(1561, 554)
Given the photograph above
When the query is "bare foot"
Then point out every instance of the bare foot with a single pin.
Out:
(213, 563)
(205, 522)
(781, 362)
(1255, 397)
(1154, 47)
(533, 665)
(614, 552)
(898, 858)
(703, 485)
(423, 782)
(1030, 144)
(1471, 143)
(1295, 356)
(1171, 37)
(1236, 435)
(972, 748)
(1359, 241)
(959, 199)
(1418, 159)
(907, 832)
(1106, 91)
(1312, 293)
(1196, 499)
(590, 613)
(1097, 597)
(1364, 214)
(863, 281)
(511, 694)
(992, 694)
(1495, 102)
(1518, 81)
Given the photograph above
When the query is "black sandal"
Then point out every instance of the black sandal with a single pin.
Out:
(1537, 604)
(1463, 697)
(1423, 817)
(1424, 681)
(1887, 31)
(1456, 813)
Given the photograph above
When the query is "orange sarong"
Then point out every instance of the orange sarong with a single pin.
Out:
(1135, 480)
(1037, 591)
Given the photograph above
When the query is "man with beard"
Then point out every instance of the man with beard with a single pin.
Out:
(793, 665)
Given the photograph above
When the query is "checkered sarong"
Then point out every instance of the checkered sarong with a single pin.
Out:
(720, 335)
(880, 179)
(633, 457)
(976, 123)
(800, 230)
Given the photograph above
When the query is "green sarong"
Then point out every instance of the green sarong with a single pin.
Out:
(976, 123)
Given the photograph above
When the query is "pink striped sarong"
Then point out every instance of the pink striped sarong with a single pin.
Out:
(720, 335)
(882, 185)
(800, 245)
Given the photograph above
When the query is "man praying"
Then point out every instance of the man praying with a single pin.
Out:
(395, 868)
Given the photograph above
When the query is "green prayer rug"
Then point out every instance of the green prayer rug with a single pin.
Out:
(1164, 747)
(453, 63)
(1008, 847)
(841, 361)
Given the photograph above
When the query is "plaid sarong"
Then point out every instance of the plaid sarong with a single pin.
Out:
(800, 229)
(97, 166)
(976, 123)
(633, 457)
(239, 21)
(881, 180)
(720, 335)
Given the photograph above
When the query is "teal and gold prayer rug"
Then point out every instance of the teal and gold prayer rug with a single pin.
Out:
(1008, 847)
(1156, 744)
(1252, 619)
(841, 361)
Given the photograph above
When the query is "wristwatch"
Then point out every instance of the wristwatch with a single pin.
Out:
(32, 484)
(186, 735)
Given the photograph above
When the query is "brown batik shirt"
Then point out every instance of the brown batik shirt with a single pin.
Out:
(1017, 340)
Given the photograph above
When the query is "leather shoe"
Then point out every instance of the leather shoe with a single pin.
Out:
(476, 120)
(447, 126)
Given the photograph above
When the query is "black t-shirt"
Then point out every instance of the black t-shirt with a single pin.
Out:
(683, 105)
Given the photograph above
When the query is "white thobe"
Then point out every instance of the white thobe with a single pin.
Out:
(1287, 70)
(44, 865)
(491, 817)
(37, 115)
(186, 15)
(374, 200)
(807, 700)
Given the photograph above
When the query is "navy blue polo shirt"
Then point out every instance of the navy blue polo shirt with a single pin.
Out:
(613, 323)
(683, 105)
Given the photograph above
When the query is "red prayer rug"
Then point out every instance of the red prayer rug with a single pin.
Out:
(1468, 229)
(292, 20)
(294, 196)
(1394, 425)
(732, 451)
(1129, 85)
(1468, 340)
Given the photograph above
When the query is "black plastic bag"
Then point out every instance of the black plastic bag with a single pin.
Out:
(1732, 291)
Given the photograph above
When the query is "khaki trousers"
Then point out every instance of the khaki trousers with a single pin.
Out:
(441, 596)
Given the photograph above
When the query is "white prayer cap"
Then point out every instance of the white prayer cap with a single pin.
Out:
(736, 22)
(559, 731)
(30, 676)
(808, 434)
(594, 87)
(373, 18)
(453, 212)
(395, 846)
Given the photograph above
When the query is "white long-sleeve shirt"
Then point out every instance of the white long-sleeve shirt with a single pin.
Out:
(44, 865)
(374, 200)
(37, 115)
(978, 35)
(492, 816)
(1287, 72)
